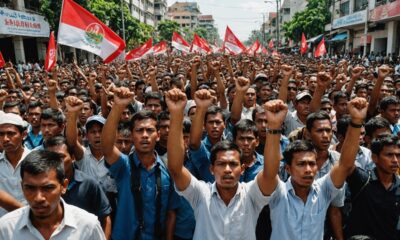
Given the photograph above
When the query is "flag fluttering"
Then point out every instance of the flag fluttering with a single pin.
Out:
(303, 45)
(160, 48)
(271, 44)
(81, 29)
(179, 43)
(141, 51)
(321, 50)
(2, 62)
(253, 49)
(232, 43)
(200, 45)
(51, 54)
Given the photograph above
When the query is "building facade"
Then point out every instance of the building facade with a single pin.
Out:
(185, 13)
(23, 32)
(160, 10)
(143, 10)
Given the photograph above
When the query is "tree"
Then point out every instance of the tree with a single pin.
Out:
(257, 34)
(311, 21)
(166, 28)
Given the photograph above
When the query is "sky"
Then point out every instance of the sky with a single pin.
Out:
(241, 16)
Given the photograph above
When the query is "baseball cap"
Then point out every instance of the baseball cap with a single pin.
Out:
(190, 104)
(12, 118)
(302, 95)
(95, 118)
(260, 76)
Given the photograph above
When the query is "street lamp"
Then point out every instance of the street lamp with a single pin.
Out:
(278, 3)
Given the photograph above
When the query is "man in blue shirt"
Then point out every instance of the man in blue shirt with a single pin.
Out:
(146, 198)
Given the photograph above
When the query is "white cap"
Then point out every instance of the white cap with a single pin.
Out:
(12, 118)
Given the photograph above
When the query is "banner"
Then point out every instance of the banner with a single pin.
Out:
(179, 43)
(232, 43)
(23, 24)
(51, 55)
(200, 45)
(160, 48)
(141, 51)
(303, 45)
(81, 29)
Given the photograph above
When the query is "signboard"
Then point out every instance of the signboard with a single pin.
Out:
(352, 19)
(385, 11)
(23, 24)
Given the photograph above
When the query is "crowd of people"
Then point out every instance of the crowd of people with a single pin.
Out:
(201, 147)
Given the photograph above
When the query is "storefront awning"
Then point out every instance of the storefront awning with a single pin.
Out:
(315, 39)
(339, 37)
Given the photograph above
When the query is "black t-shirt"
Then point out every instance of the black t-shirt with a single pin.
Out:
(375, 210)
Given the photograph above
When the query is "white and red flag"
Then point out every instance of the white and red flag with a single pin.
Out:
(253, 49)
(200, 45)
(51, 54)
(160, 48)
(141, 51)
(271, 44)
(232, 43)
(303, 45)
(264, 51)
(81, 29)
(2, 62)
(321, 50)
(179, 43)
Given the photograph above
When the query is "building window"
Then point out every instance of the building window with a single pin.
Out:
(360, 5)
(344, 8)
(32, 4)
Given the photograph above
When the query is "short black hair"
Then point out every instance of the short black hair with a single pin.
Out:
(42, 161)
(342, 125)
(35, 104)
(223, 146)
(257, 109)
(53, 114)
(295, 147)
(374, 124)
(187, 124)
(164, 115)
(320, 115)
(339, 95)
(245, 125)
(389, 100)
(378, 144)
(59, 141)
(143, 115)
(360, 86)
(153, 95)
(213, 110)
(124, 129)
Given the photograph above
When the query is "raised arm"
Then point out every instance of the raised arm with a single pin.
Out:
(152, 71)
(203, 100)
(122, 97)
(216, 66)
(267, 179)
(358, 110)
(323, 82)
(283, 89)
(193, 75)
(74, 106)
(383, 71)
(3, 96)
(242, 84)
(355, 75)
(52, 88)
(176, 102)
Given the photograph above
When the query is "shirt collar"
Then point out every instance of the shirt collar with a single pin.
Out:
(214, 190)
(137, 162)
(396, 179)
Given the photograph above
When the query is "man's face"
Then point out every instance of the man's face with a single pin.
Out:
(385, 91)
(34, 116)
(63, 151)
(247, 142)
(388, 159)
(362, 92)
(164, 130)
(186, 140)
(261, 124)
(12, 97)
(93, 135)
(139, 91)
(265, 93)
(145, 135)
(327, 107)
(215, 125)
(50, 128)
(231, 95)
(43, 193)
(85, 113)
(392, 113)
(10, 138)
(153, 105)
(341, 107)
(312, 83)
(36, 87)
(292, 91)
(126, 115)
(124, 143)
(321, 134)
(249, 98)
(227, 169)
(303, 169)
(303, 106)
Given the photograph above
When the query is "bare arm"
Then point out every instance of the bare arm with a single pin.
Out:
(268, 179)
(283, 89)
(176, 101)
(335, 219)
(171, 222)
(74, 106)
(193, 75)
(358, 110)
(323, 81)
(52, 88)
(215, 66)
(122, 97)
(8, 202)
(152, 78)
(242, 85)
(382, 73)
(355, 75)
(106, 225)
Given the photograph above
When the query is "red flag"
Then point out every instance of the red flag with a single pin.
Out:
(141, 51)
(232, 43)
(264, 51)
(200, 45)
(51, 55)
(271, 44)
(254, 48)
(275, 53)
(2, 62)
(160, 48)
(303, 46)
(321, 50)
(81, 29)
(179, 43)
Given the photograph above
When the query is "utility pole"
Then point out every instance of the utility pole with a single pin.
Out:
(263, 29)
(277, 24)
(123, 20)
(366, 30)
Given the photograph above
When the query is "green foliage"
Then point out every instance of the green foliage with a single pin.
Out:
(166, 28)
(257, 34)
(311, 21)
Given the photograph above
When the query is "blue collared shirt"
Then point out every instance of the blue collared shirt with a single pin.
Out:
(201, 160)
(126, 222)
(32, 141)
(251, 172)
(293, 219)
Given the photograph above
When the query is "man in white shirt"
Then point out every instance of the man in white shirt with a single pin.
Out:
(47, 216)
